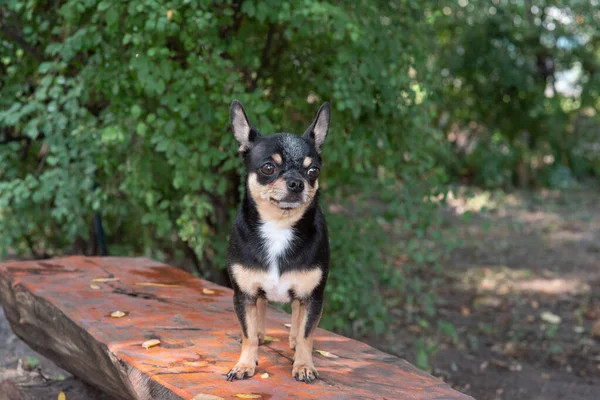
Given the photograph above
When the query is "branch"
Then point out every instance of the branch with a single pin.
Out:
(8, 138)
(237, 22)
(14, 34)
(278, 52)
(264, 57)
(13, 139)
(237, 16)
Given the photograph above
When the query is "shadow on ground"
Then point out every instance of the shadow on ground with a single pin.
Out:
(522, 295)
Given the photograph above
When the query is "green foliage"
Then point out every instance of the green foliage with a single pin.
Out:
(30, 362)
(521, 89)
(425, 352)
(121, 109)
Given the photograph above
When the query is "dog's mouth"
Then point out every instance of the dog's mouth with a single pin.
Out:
(285, 205)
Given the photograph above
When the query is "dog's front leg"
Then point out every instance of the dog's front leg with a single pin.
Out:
(297, 317)
(247, 313)
(261, 311)
(310, 312)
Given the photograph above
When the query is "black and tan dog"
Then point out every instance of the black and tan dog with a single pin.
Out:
(278, 249)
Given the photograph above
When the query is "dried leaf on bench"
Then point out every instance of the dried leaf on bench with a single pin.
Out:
(265, 375)
(326, 354)
(117, 314)
(157, 284)
(102, 280)
(150, 343)
(271, 339)
(248, 396)
(95, 287)
(208, 291)
(203, 396)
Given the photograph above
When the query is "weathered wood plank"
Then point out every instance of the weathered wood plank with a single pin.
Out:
(62, 308)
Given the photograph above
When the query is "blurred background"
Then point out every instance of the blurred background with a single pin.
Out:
(460, 177)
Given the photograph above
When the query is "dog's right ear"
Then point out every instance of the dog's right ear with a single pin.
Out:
(243, 130)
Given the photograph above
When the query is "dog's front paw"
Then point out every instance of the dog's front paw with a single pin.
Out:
(241, 371)
(305, 372)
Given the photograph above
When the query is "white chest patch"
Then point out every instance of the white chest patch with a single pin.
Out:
(277, 241)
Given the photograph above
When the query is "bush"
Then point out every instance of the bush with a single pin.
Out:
(121, 109)
(523, 75)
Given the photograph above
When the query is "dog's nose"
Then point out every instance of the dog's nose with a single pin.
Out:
(295, 185)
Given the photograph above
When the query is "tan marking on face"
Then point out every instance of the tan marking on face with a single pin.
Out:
(262, 195)
(277, 158)
(307, 162)
(301, 282)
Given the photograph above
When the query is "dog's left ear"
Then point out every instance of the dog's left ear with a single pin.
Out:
(317, 131)
(243, 130)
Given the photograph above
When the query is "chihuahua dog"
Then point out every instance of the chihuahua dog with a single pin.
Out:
(279, 249)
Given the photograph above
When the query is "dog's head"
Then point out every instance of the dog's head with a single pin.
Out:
(283, 169)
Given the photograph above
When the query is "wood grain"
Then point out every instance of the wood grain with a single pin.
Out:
(62, 309)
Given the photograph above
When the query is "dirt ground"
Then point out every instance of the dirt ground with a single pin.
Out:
(15, 354)
(522, 294)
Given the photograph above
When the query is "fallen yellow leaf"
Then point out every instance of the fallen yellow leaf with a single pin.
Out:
(157, 284)
(326, 354)
(248, 396)
(117, 314)
(203, 396)
(271, 339)
(150, 343)
(105, 279)
(264, 376)
(62, 396)
(208, 291)
(95, 287)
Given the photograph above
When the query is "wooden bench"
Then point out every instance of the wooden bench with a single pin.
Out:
(62, 309)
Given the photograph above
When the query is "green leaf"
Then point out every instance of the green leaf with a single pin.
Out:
(30, 362)
(112, 16)
(136, 111)
(141, 129)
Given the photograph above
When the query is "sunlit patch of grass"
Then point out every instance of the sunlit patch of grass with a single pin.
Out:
(501, 280)
(466, 199)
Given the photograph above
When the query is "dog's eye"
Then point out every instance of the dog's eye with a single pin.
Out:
(313, 173)
(267, 169)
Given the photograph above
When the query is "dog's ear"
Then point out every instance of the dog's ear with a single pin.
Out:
(243, 130)
(317, 131)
